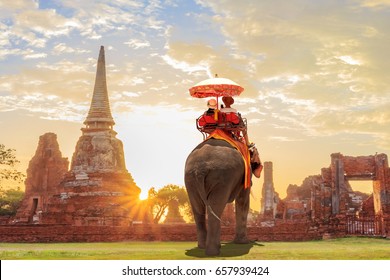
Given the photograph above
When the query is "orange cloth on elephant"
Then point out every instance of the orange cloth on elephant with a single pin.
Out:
(241, 147)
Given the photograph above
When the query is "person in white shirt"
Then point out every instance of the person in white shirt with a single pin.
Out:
(228, 101)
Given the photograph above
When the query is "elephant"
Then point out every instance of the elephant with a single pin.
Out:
(214, 176)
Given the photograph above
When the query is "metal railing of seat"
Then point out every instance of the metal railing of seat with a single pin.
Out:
(364, 225)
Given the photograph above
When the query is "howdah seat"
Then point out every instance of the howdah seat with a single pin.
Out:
(230, 122)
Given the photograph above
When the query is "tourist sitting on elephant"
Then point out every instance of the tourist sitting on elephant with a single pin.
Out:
(228, 101)
(224, 120)
(255, 158)
(209, 120)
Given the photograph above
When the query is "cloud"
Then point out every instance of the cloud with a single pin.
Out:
(376, 3)
(44, 22)
(62, 48)
(70, 81)
(27, 23)
(136, 43)
(26, 29)
(314, 62)
(99, 18)
(4, 40)
(34, 55)
(283, 139)
(9, 7)
(185, 67)
(48, 107)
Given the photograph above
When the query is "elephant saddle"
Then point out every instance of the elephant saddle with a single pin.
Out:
(241, 147)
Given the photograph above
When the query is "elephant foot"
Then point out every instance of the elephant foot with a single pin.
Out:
(201, 245)
(243, 240)
(201, 242)
(213, 251)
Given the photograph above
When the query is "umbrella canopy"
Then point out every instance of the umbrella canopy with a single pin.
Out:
(216, 87)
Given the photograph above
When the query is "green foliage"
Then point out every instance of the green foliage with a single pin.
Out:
(10, 198)
(159, 200)
(7, 165)
(10, 201)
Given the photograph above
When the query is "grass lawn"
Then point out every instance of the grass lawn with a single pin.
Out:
(354, 248)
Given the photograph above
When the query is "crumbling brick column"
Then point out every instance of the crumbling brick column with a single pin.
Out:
(381, 194)
(337, 173)
(382, 185)
(268, 193)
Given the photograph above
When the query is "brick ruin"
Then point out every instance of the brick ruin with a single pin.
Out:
(326, 199)
(269, 196)
(45, 172)
(97, 190)
(173, 215)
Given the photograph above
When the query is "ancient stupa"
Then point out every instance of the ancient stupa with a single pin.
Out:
(98, 150)
(98, 189)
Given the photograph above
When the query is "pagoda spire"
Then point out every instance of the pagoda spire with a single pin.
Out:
(99, 115)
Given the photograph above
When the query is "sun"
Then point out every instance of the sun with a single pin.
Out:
(143, 195)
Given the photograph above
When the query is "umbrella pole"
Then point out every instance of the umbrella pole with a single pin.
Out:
(216, 111)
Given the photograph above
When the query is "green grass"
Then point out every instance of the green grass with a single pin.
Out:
(335, 249)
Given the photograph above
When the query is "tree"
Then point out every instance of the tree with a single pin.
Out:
(7, 165)
(10, 197)
(160, 199)
(10, 201)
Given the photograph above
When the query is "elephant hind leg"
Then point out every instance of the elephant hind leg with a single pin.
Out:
(242, 208)
(201, 231)
(213, 244)
(199, 211)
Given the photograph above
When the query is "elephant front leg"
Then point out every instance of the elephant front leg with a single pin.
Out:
(242, 209)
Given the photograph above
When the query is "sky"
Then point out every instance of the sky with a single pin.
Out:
(316, 77)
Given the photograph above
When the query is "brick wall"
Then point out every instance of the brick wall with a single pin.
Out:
(187, 232)
(359, 165)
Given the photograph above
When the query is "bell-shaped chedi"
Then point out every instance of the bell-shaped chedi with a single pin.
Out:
(98, 150)
(173, 215)
(44, 174)
(98, 190)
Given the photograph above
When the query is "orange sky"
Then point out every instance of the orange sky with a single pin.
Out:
(315, 75)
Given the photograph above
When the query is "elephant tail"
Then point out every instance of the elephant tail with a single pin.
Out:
(213, 213)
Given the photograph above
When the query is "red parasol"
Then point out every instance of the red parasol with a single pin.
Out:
(216, 87)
